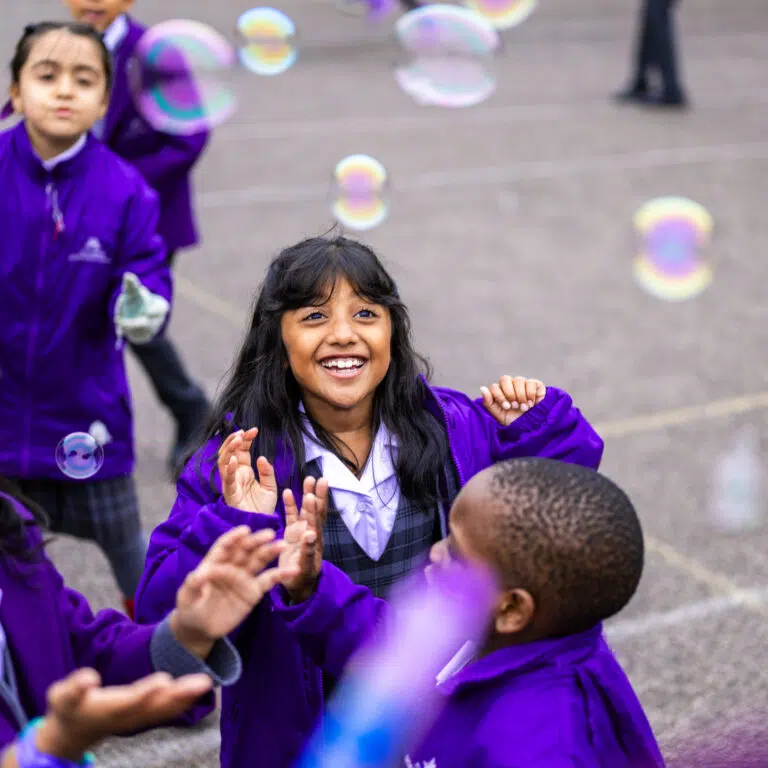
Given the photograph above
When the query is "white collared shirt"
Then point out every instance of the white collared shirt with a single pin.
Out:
(368, 506)
(115, 33)
(49, 165)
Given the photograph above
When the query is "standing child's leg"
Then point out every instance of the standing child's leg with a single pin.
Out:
(107, 513)
(175, 389)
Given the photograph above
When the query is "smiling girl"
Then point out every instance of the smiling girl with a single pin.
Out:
(79, 238)
(328, 383)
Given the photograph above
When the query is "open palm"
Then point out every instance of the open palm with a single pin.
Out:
(230, 581)
(240, 487)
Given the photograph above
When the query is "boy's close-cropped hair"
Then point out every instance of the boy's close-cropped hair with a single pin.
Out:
(566, 534)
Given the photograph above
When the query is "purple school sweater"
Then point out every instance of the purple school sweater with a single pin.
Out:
(164, 160)
(68, 237)
(561, 703)
(274, 725)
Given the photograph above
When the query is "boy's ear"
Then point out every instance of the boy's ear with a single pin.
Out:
(514, 611)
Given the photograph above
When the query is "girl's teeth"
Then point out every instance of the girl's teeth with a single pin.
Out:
(343, 364)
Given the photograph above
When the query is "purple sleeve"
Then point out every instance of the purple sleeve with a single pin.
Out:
(335, 621)
(552, 429)
(177, 156)
(109, 642)
(176, 547)
(142, 249)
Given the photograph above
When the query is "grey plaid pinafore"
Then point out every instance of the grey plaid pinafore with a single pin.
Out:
(414, 532)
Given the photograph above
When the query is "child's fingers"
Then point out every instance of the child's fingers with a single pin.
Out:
(309, 544)
(505, 401)
(261, 557)
(66, 694)
(519, 384)
(321, 506)
(267, 479)
(228, 473)
(308, 486)
(541, 391)
(487, 397)
(224, 545)
(532, 389)
(291, 511)
(308, 505)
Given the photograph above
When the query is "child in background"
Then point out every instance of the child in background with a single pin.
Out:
(544, 689)
(81, 268)
(330, 381)
(166, 162)
(47, 631)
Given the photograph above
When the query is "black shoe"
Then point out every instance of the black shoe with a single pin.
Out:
(667, 101)
(636, 95)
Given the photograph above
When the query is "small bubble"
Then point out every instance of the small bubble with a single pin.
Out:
(79, 456)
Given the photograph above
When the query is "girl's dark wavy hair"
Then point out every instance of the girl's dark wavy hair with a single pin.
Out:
(260, 389)
(13, 539)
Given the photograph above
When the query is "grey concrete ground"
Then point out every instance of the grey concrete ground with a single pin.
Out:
(510, 235)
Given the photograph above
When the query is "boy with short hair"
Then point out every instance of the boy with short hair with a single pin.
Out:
(544, 689)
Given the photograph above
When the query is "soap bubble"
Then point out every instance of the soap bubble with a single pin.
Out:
(267, 41)
(79, 456)
(359, 192)
(674, 232)
(180, 77)
(503, 14)
(448, 56)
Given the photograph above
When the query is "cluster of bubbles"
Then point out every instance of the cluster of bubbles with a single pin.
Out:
(181, 76)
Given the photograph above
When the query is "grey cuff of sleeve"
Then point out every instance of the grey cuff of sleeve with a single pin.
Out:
(223, 665)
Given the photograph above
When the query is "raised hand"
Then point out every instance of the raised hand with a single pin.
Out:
(304, 537)
(239, 485)
(509, 398)
(227, 585)
(81, 713)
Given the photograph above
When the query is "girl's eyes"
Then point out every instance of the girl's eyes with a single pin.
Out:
(364, 314)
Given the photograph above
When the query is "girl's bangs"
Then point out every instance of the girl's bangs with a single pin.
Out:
(311, 280)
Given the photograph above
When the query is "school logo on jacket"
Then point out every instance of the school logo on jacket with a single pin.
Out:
(91, 252)
(426, 764)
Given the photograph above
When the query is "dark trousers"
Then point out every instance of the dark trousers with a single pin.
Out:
(179, 393)
(655, 48)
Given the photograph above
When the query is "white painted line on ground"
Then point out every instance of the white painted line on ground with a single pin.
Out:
(391, 124)
(685, 614)
(524, 171)
(680, 416)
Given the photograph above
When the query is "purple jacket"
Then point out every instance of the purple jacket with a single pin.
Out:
(274, 727)
(165, 161)
(51, 631)
(562, 703)
(59, 368)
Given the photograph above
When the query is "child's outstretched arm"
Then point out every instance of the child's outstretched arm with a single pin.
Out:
(143, 258)
(525, 418)
(212, 601)
(81, 713)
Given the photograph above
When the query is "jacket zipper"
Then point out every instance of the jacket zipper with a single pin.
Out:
(52, 209)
